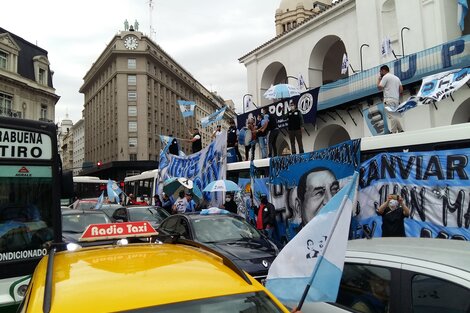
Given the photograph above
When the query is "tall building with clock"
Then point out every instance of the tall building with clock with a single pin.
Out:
(131, 94)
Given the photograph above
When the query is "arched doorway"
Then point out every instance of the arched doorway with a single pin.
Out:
(462, 114)
(329, 136)
(274, 74)
(325, 61)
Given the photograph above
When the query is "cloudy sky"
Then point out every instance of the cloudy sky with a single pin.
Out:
(205, 37)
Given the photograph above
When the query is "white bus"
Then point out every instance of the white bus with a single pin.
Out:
(143, 185)
(437, 138)
(88, 186)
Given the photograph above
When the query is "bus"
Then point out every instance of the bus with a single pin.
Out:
(430, 139)
(88, 186)
(143, 185)
(31, 186)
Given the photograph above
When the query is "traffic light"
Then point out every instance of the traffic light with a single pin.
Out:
(98, 164)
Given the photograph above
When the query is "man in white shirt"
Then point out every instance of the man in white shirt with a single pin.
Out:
(392, 88)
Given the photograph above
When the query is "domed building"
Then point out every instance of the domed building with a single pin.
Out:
(293, 12)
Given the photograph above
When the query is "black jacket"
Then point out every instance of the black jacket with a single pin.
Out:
(269, 215)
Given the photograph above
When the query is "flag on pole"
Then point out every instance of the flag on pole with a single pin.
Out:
(301, 82)
(386, 47)
(214, 117)
(462, 10)
(113, 190)
(313, 260)
(100, 201)
(187, 107)
(344, 64)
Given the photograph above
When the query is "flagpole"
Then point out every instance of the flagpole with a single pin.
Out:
(317, 264)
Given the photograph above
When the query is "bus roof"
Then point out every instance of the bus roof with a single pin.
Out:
(89, 179)
(143, 175)
(246, 164)
(429, 138)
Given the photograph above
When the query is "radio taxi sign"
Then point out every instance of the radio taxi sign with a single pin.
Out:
(118, 230)
(19, 144)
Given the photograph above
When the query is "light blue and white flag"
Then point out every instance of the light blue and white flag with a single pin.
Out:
(214, 117)
(307, 259)
(462, 10)
(187, 107)
(100, 201)
(113, 190)
(301, 82)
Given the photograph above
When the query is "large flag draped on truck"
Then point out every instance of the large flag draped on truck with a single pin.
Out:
(314, 258)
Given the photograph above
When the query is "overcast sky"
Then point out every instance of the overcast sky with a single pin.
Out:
(206, 37)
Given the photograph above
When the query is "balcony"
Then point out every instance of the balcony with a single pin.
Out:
(45, 119)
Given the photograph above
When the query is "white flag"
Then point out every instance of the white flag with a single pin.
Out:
(248, 101)
(344, 64)
(386, 48)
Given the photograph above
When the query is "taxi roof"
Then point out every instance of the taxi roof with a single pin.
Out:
(118, 278)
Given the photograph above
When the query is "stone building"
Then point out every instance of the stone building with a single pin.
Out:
(26, 88)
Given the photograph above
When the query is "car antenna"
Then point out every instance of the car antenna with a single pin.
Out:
(46, 306)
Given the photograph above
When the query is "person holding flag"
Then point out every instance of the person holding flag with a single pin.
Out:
(313, 272)
(196, 140)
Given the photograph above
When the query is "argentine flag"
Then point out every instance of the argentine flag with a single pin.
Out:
(187, 107)
(214, 117)
(113, 190)
(314, 258)
(100, 201)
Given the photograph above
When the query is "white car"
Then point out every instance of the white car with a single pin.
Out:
(403, 275)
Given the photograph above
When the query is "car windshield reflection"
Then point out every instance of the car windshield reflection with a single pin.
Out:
(208, 230)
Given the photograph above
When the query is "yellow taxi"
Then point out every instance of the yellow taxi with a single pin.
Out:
(143, 277)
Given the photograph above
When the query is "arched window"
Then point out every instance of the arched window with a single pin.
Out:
(389, 21)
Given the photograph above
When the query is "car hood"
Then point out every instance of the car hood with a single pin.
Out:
(253, 256)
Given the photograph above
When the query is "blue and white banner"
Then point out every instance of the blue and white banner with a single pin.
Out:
(187, 107)
(441, 85)
(201, 167)
(315, 257)
(435, 186)
(214, 117)
(376, 119)
(113, 190)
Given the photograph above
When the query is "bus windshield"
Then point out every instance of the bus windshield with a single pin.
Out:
(25, 213)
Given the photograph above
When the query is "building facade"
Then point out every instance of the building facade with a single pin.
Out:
(78, 135)
(424, 35)
(26, 89)
(131, 94)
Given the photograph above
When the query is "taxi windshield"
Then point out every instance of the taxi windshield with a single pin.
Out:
(258, 302)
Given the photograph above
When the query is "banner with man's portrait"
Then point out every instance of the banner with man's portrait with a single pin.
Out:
(434, 185)
(302, 184)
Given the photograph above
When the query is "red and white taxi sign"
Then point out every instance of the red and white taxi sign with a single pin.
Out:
(118, 230)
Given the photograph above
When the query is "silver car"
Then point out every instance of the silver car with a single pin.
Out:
(403, 275)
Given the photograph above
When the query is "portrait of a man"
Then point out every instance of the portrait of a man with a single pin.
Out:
(316, 187)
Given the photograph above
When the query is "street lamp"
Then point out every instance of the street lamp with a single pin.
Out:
(402, 44)
(250, 100)
(360, 52)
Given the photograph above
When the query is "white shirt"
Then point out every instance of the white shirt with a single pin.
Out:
(391, 87)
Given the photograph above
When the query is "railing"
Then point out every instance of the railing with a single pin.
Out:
(45, 119)
(10, 113)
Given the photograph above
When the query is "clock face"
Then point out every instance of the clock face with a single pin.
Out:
(131, 42)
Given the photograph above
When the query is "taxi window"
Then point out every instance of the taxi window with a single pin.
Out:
(434, 295)
(170, 224)
(258, 302)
